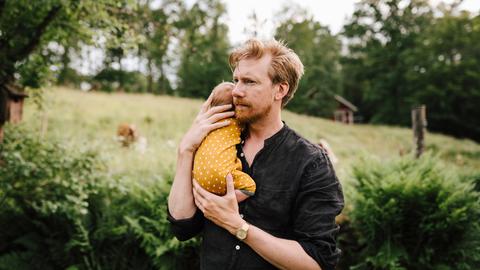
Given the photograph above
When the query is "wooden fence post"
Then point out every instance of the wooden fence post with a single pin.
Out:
(419, 125)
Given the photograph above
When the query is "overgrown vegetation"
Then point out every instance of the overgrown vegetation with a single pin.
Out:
(413, 214)
(61, 209)
(114, 216)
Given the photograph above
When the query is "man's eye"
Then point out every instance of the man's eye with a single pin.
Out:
(235, 80)
(249, 81)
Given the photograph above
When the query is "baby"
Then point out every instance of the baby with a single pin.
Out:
(217, 155)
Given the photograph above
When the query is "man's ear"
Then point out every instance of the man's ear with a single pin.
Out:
(282, 90)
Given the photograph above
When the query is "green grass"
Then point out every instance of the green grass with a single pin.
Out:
(81, 119)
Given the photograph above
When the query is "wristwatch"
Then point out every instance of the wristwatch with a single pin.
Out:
(241, 233)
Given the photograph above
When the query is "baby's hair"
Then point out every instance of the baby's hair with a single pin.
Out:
(222, 94)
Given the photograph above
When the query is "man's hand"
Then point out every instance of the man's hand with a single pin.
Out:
(208, 119)
(222, 210)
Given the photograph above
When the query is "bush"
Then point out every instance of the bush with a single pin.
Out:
(150, 226)
(473, 178)
(414, 214)
(44, 193)
(59, 209)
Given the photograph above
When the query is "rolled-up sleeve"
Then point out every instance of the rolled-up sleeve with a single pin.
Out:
(319, 201)
(184, 229)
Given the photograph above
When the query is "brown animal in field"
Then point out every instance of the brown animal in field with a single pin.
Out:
(127, 134)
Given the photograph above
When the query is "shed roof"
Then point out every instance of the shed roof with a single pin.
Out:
(15, 91)
(346, 103)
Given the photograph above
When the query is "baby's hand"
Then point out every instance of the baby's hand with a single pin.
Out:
(240, 195)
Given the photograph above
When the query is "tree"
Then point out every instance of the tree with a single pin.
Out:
(446, 74)
(157, 26)
(319, 51)
(31, 33)
(254, 25)
(204, 49)
(27, 29)
(382, 34)
(401, 55)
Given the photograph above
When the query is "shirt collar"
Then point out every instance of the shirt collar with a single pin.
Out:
(271, 140)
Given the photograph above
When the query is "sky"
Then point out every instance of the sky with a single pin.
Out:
(330, 13)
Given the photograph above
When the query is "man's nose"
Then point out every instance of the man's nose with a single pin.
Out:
(238, 90)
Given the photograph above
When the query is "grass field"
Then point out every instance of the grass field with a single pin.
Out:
(90, 119)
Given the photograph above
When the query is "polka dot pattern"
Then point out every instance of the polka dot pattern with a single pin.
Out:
(217, 156)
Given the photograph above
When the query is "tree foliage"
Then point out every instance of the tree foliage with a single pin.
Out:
(382, 36)
(406, 53)
(319, 51)
(204, 49)
(158, 26)
(31, 33)
(446, 74)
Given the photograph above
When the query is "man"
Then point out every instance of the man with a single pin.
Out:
(290, 221)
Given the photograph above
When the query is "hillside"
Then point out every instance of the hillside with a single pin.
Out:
(90, 119)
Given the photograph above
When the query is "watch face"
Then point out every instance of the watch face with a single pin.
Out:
(241, 234)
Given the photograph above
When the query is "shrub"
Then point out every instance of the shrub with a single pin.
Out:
(59, 209)
(44, 193)
(473, 178)
(414, 214)
(150, 226)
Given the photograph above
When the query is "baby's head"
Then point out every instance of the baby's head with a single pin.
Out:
(222, 94)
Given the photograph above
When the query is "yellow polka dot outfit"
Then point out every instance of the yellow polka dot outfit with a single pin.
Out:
(217, 156)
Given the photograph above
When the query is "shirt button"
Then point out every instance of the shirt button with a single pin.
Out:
(237, 247)
(242, 154)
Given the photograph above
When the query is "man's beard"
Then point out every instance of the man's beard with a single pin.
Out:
(246, 116)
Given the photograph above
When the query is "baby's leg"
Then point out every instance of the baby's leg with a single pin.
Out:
(240, 195)
(244, 185)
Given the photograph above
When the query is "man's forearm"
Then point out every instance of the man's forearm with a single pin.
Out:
(282, 253)
(223, 211)
(180, 201)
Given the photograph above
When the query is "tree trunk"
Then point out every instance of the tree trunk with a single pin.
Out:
(149, 76)
(62, 77)
(3, 110)
(3, 99)
(162, 86)
(120, 75)
(9, 56)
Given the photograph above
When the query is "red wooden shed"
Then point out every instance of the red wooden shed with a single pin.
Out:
(11, 105)
(344, 111)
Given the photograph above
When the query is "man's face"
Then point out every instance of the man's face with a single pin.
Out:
(253, 94)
